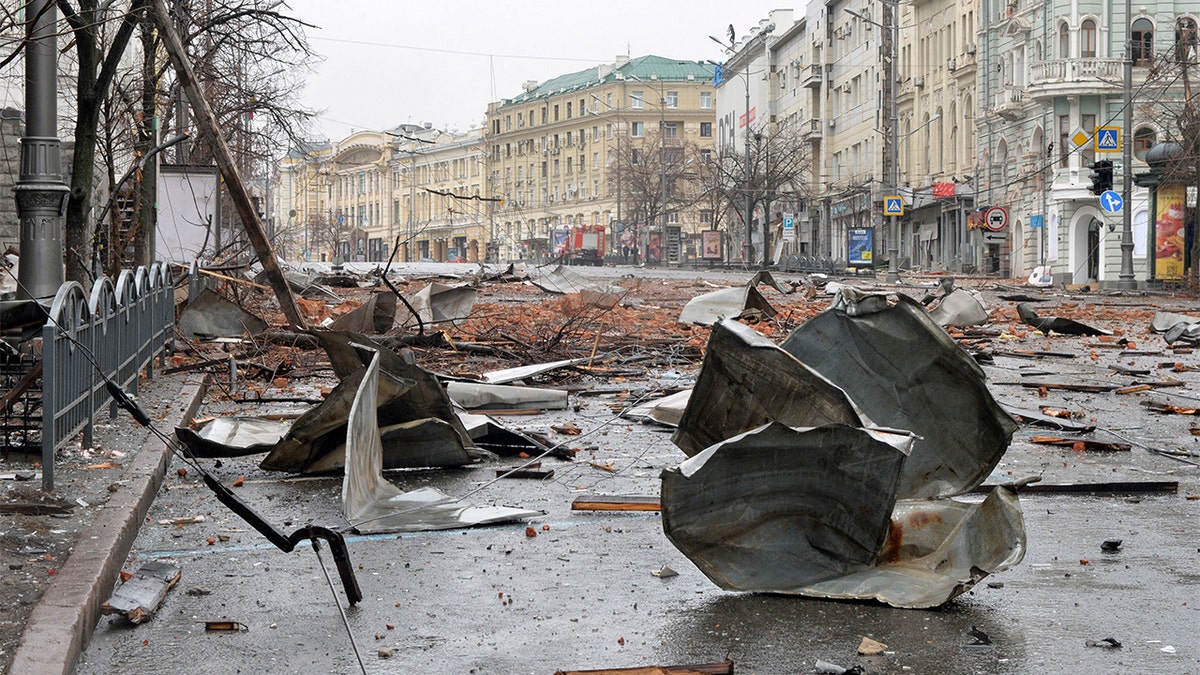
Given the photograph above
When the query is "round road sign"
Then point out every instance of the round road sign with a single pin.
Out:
(995, 218)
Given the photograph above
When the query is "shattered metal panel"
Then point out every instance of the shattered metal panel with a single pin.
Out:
(776, 508)
(1056, 324)
(233, 436)
(959, 308)
(374, 316)
(729, 303)
(562, 281)
(667, 410)
(747, 381)
(440, 303)
(905, 372)
(524, 372)
(419, 444)
(372, 504)
(210, 316)
(937, 550)
(476, 396)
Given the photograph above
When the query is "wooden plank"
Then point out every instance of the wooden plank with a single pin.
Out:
(36, 509)
(1098, 488)
(616, 503)
(722, 668)
(1080, 443)
(140, 597)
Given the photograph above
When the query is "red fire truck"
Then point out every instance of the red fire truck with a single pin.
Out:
(580, 245)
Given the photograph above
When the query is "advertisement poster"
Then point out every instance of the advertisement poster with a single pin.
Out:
(862, 247)
(1169, 232)
(710, 242)
(560, 242)
(654, 247)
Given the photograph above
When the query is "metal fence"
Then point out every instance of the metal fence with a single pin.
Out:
(807, 263)
(117, 330)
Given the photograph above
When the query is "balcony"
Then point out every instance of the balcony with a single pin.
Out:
(814, 76)
(1010, 102)
(812, 129)
(1075, 77)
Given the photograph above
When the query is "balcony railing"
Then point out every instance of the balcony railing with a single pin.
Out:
(1076, 70)
(1009, 101)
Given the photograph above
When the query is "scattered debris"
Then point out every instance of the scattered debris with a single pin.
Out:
(1056, 324)
(722, 668)
(211, 316)
(525, 372)
(478, 396)
(664, 572)
(440, 303)
(959, 307)
(1106, 643)
(375, 316)
(869, 647)
(667, 410)
(1110, 545)
(978, 638)
(729, 303)
(1044, 419)
(1117, 487)
(233, 436)
(1081, 443)
(139, 597)
(827, 668)
(225, 626)
(372, 505)
(1176, 327)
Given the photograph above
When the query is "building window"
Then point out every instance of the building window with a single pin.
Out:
(1087, 39)
(637, 99)
(1143, 140)
(672, 217)
(1142, 42)
(1064, 40)
(706, 217)
(638, 129)
(520, 120)
(671, 129)
(706, 155)
(570, 166)
(569, 111)
(706, 130)
(706, 99)
(595, 160)
(636, 157)
(556, 113)
(672, 99)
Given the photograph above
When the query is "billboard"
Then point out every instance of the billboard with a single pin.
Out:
(710, 245)
(187, 203)
(862, 247)
(1169, 231)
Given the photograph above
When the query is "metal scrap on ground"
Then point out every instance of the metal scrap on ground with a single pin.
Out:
(840, 508)
(211, 316)
(371, 504)
(139, 597)
(1056, 324)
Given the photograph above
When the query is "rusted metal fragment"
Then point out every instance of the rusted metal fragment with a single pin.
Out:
(779, 508)
(372, 504)
(936, 550)
(747, 381)
(905, 372)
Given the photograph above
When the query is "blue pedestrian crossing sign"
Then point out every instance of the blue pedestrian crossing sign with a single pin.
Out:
(893, 205)
(1108, 139)
(1110, 200)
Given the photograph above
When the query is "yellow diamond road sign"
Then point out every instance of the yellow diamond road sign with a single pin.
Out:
(1080, 138)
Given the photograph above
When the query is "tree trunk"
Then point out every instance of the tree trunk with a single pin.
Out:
(144, 240)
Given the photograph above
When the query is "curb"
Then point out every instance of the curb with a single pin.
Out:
(64, 619)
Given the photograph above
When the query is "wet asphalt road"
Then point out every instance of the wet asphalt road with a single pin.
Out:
(581, 595)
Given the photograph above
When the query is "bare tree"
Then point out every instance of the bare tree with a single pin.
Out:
(771, 173)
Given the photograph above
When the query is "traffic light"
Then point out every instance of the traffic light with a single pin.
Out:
(1102, 176)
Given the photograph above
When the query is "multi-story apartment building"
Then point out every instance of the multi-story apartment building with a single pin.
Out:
(355, 199)
(1049, 71)
(564, 153)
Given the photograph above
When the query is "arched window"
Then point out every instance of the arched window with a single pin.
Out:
(1064, 40)
(1087, 39)
(1002, 162)
(1142, 42)
(1143, 140)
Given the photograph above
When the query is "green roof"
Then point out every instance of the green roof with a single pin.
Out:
(643, 68)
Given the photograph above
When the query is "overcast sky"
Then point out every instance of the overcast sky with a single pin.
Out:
(388, 62)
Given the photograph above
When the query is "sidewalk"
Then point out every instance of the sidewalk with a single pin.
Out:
(110, 504)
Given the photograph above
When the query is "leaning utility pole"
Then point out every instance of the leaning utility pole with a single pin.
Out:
(40, 191)
(206, 121)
